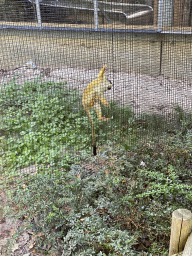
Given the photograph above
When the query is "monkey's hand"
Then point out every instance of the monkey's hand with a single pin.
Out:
(106, 105)
(105, 119)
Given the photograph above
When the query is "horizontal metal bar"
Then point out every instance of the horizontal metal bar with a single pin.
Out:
(144, 31)
(121, 11)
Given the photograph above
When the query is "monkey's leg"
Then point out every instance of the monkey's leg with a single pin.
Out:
(97, 108)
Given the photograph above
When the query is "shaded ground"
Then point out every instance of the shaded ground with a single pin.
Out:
(24, 245)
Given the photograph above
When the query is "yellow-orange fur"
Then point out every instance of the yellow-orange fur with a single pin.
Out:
(94, 95)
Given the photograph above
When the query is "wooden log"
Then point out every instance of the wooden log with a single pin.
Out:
(180, 229)
(155, 12)
(188, 247)
(181, 12)
(186, 13)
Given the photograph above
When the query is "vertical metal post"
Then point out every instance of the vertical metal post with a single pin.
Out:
(161, 55)
(96, 14)
(160, 15)
(38, 13)
(165, 14)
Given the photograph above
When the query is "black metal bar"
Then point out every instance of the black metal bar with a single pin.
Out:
(161, 53)
(89, 30)
(79, 29)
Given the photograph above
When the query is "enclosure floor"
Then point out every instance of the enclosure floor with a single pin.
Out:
(144, 93)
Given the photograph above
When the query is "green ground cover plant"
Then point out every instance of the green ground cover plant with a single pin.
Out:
(117, 203)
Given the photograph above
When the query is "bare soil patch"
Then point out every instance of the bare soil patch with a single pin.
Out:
(144, 93)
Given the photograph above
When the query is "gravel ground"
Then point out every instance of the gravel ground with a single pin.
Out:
(143, 93)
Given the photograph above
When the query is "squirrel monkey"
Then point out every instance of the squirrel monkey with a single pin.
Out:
(93, 95)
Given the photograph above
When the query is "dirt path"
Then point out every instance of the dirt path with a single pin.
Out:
(144, 93)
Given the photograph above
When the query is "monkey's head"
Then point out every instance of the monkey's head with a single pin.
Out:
(105, 84)
(109, 85)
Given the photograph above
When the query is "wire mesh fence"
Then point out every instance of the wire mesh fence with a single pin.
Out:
(95, 125)
(102, 14)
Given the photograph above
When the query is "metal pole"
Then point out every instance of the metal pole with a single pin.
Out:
(165, 14)
(38, 13)
(160, 15)
(96, 14)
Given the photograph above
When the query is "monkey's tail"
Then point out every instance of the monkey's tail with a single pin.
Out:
(93, 134)
(94, 140)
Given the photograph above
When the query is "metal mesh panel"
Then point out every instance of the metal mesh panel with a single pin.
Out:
(95, 125)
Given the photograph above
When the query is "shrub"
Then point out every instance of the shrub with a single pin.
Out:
(118, 203)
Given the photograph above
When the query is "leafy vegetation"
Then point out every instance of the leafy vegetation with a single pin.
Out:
(117, 203)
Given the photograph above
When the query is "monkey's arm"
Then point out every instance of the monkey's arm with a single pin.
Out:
(97, 108)
(103, 100)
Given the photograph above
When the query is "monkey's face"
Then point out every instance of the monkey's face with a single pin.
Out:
(109, 85)
(106, 84)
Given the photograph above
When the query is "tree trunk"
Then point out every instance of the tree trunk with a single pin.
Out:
(186, 13)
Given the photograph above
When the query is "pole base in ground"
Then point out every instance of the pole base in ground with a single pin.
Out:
(94, 150)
